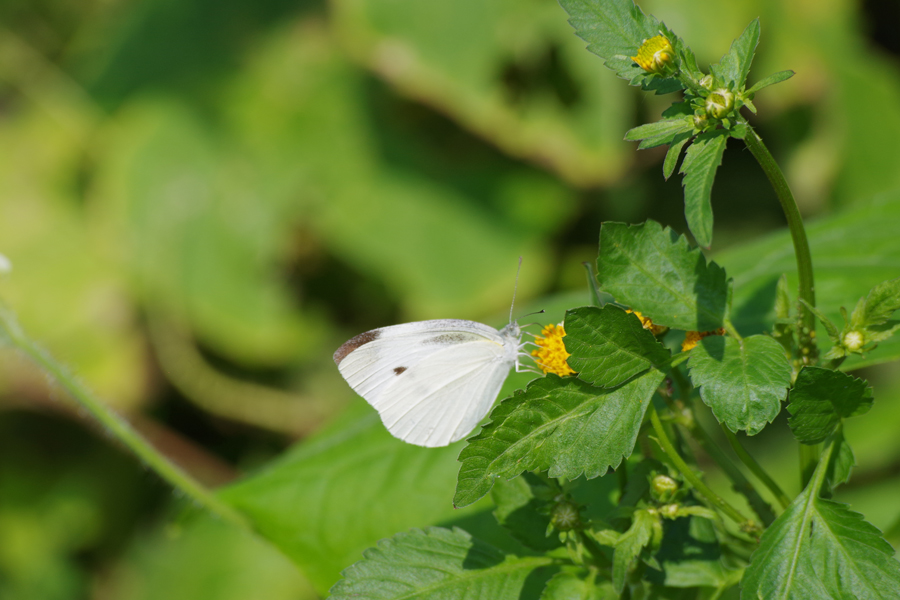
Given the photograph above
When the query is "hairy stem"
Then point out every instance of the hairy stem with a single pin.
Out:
(667, 447)
(116, 425)
(807, 291)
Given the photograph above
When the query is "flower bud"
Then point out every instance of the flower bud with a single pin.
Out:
(707, 82)
(719, 103)
(565, 516)
(663, 488)
(853, 340)
(656, 55)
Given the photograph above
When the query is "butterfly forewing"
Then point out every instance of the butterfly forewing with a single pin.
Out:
(431, 381)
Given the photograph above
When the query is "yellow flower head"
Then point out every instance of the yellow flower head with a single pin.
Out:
(692, 338)
(656, 55)
(648, 324)
(551, 354)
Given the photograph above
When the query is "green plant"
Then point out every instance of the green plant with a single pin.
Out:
(595, 479)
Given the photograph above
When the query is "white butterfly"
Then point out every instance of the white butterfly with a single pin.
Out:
(431, 382)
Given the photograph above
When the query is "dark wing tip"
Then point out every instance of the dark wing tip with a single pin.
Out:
(354, 343)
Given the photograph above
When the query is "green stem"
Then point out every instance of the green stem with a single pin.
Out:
(807, 321)
(756, 468)
(116, 425)
(741, 484)
(667, 447)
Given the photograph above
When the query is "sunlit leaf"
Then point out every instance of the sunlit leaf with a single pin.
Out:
(564, 426)
(734, 67)
(653, 270)
(743, 382)
(438, 563)
(701, 160)
(609, 346)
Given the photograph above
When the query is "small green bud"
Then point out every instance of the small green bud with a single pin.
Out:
(669, 511)
(719, 103)
(700, 121)
(853, 340)
(565, 516)
(707, 82)
(663, 488)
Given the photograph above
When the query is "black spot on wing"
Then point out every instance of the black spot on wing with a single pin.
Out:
(354, 343)
(399, 370)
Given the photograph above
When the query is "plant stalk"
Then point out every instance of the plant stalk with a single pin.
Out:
(756, 468)
(807, 291)
(667, 447)
(116, 425)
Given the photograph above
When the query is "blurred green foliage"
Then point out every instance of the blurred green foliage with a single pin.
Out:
(269, 178)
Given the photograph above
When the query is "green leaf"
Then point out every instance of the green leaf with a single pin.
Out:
(770, 80)
(701, 160)
(609, 346)
(523, 507)
(842, 463)
(733, 68)
(653, 270)
(742, 382)
(614, 30)
(674, 152)
(662, 132)
(822, 397)
(565, 426)
(846, 269)
(821, 549)
(689, 555)
(879, 304)
(630, 544)
(345, 489)
(572, 584)
(438, 563)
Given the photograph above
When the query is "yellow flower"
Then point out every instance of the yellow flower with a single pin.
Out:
(551, 353)
(648, 324)
(656, 55)
(692, 338)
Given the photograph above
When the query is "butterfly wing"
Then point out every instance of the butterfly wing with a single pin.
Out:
(431, 381)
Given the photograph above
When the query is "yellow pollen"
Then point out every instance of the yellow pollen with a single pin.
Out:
(551, 353)
(692, 338)
(655, 55)
(648, 323)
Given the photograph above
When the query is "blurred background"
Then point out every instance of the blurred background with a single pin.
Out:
(202, 199)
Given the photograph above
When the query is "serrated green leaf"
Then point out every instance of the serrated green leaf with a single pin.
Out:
(609, 346)
(881, 302)
(572, 584)
(659, 133)
(523, 507)
(438, 563)
(822, 397)
(614, 30)
(742, 382)
(770, 80)
(733, 68)
(653, 270)
(563, 425)
(630, 544)
(821, 549)
(842, 463)
(701, 160)
(674, 153)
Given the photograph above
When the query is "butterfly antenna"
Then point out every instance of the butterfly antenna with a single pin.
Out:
(515, 289)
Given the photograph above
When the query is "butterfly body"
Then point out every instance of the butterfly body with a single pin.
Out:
(431, 382)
